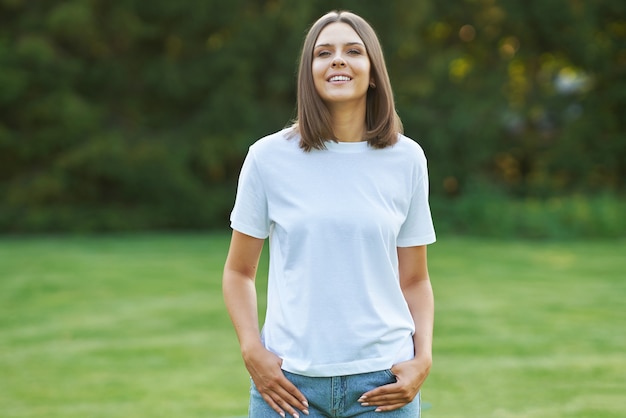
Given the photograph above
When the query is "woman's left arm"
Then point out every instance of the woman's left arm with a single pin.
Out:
(410, 375)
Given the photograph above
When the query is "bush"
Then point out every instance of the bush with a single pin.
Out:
(494, 215)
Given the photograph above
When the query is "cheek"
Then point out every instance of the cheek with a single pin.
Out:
(318, 69)
(366, 67)
(319, 77)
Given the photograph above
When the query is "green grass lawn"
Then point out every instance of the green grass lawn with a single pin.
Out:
(134, 326)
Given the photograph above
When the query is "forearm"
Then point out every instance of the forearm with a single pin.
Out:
(419, 297)
(241, 302)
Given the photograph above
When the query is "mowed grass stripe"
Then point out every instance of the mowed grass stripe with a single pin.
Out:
(135, 326)
(528, 329)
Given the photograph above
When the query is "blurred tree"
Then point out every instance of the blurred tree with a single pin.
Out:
(129, 114)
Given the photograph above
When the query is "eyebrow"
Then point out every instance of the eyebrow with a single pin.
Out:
(346, 44)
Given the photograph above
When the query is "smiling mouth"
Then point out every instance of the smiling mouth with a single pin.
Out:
(337, 78)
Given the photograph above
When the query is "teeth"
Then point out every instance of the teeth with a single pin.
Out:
(340, 78)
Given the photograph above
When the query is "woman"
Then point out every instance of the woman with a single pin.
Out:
(343, 197)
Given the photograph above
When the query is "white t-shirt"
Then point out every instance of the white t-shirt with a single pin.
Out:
(335, 218)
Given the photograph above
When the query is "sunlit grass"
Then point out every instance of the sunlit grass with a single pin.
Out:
(134, 326)
(528, 329)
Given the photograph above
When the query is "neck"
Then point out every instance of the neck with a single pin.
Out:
(348, 122)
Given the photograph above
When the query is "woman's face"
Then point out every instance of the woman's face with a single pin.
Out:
(341, 66)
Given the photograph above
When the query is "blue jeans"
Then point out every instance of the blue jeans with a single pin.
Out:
(336, 397)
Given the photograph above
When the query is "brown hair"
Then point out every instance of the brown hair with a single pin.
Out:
(313, 121)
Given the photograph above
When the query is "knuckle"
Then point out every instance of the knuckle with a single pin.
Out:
(272, 385)
(271, 402)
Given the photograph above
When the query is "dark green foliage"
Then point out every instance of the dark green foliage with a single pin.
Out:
(136, 115)
(493, 214)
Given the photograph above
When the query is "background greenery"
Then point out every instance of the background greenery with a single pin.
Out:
(134, 115)
(134, 326)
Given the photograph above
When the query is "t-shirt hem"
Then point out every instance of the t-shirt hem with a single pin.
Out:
(248, 230)
(342, 369)
(413, 242)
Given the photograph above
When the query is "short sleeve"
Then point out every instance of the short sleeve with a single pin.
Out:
(418, 228)
(250, 215)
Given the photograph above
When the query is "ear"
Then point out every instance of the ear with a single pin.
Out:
(372, 83)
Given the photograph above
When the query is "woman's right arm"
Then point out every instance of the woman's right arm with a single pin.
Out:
(241, 302)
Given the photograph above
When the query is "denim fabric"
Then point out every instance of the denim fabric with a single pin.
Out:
(336, 397)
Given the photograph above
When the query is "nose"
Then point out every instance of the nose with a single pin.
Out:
(338, 62)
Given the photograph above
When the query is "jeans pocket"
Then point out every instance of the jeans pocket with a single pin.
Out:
(390, 374)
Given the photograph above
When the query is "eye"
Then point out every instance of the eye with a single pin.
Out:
(354, 52)
(323, 53)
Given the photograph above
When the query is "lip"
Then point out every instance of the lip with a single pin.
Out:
(339, 75)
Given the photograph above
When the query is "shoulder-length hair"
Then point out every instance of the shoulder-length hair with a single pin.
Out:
(313, 121)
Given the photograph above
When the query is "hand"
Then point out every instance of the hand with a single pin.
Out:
(410, 375)
(279, 393)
